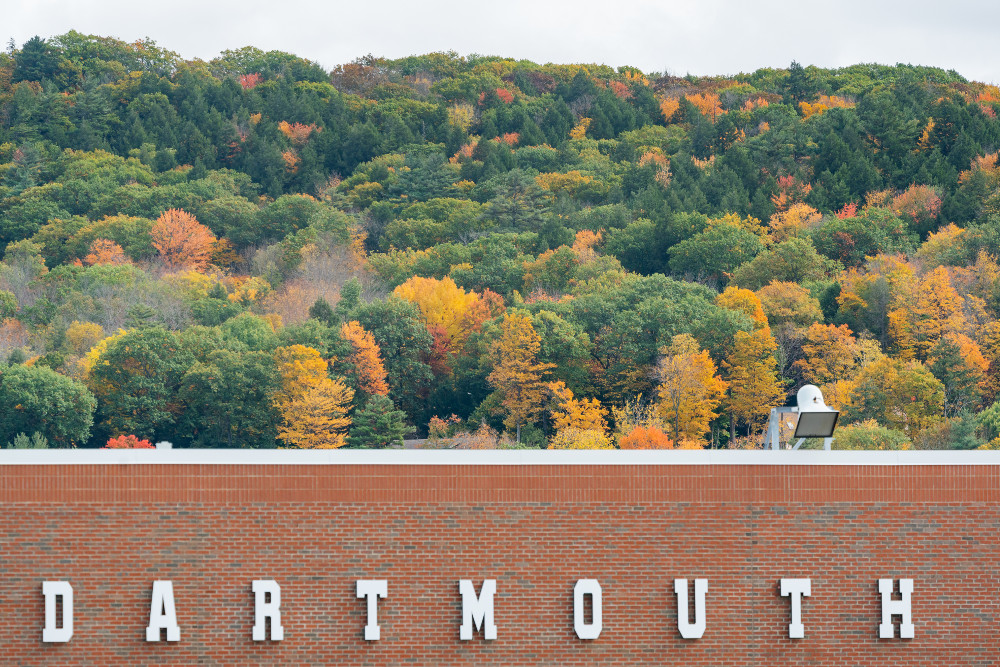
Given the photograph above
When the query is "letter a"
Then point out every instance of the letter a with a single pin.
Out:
(697, 629)
(162, 615)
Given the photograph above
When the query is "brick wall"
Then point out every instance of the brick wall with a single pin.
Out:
(111, 529)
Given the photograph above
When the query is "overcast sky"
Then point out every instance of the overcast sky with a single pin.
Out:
(694, 36)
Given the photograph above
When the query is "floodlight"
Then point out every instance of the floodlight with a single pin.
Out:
(816, 420)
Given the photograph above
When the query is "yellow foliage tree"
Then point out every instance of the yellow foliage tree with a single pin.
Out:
(251, 291)
(789, 303)
(744, 301)
(752, 373)
(366, 359)
(580, 131)
(83, 336)
(937, 310)
(300, 368)
(93, 357)
(572, 413)
(517, 374)
(690, 390)
(571, 183)
(317, 418)
(572, 438)
(442, 303)
(793, 222)
(748, 224)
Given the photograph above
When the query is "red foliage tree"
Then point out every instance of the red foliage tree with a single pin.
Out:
(128, 442)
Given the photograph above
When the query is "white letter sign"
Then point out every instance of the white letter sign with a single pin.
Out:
(477, 610)
(796, 588)
(267, 605)
(372, 590)
(583, 629)
(697, 629)
(53, 590)
(890, 607)
(162, 615)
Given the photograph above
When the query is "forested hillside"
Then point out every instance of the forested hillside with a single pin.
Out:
(256, 252)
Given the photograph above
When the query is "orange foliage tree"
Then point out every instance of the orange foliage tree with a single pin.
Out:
(182, 241)
(790, 191)
(298, 133)
(830, 354)
(103, 251)
(646, 437)
(366, 359)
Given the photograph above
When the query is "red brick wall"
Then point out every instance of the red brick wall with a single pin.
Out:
(111, 530)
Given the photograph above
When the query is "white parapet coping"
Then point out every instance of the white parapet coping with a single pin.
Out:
(493, 457)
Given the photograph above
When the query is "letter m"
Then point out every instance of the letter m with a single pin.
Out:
(477, 610)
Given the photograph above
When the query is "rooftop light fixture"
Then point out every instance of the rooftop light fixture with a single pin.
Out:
(816, 420)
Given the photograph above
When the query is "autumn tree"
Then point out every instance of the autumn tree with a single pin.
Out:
(128, 442)
(646, 437)
(103, 251)
(365, 358)
(182, 241)
(81, 337)
(797, 220)
(517, 374)
(444, 304)
(752, 374)
(902, 395)
(569, 412)
(830, 354)
(919, 206)
(938, 309)
(690, 390)
(300, 368)
(744, 301)
(789, 303)
(317, 418)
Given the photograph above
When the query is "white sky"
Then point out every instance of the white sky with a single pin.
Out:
(693, 36)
